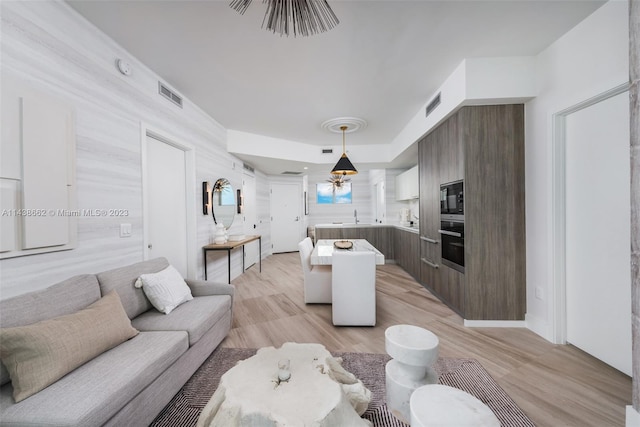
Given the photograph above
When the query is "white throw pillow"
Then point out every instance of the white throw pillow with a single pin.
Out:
(165, 289)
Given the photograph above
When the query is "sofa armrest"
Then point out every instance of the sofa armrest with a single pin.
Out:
(201, 288)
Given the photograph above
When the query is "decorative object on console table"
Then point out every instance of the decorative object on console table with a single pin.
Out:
(220, 234)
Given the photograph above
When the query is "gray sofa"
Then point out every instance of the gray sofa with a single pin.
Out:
(130, 384)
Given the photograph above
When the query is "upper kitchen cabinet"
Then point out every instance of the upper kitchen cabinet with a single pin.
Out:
(407, 185)
(484, 146)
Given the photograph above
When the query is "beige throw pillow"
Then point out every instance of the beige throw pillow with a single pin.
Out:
(38, 355)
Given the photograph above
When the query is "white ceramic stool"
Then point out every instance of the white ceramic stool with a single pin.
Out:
(414, 351)
(443, 406)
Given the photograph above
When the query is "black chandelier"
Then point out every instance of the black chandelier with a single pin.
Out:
(302, 17)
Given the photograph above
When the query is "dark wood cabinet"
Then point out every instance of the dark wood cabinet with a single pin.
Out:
(484, 145)
(329, 233)
(407, 248)
(381, 237)
(429, 171)
(494, 212)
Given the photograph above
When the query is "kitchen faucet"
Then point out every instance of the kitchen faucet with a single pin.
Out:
(355, 215)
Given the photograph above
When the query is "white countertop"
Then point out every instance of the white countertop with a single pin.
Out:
(367, 225)
(324, 249)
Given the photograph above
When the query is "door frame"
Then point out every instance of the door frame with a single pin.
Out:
(300, 205)
(246, 174)
(557, 254)
(190, 193)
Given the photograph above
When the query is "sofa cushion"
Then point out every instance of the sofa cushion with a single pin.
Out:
(96, 391)
(196, 317)
(123, 280)
(166, 289)
(38, 355)
(65, 297)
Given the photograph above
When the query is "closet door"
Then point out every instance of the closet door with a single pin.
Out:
(598, 231)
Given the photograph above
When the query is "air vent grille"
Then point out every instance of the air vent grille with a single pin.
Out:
(248, 167)
(433, 104)
(290, 173)
(327, 150)
(169, 94)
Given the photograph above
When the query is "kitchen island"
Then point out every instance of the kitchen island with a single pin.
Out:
(398, 244)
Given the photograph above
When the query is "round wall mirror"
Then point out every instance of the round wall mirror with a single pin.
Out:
(223, 202)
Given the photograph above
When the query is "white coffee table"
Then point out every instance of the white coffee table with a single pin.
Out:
(319, 392)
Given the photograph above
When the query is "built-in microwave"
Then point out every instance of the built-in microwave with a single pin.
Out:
(452, 198)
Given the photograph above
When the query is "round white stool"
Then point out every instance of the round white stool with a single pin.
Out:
(414, 351)
(442, 406)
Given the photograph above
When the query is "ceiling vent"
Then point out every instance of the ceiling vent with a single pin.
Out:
(248, 168)
(327, 151)
(169, 94)
(290, 173)
(433, 104)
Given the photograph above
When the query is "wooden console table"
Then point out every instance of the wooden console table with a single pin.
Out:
(229, 246)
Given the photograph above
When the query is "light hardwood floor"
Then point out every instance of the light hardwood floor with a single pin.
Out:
(555, 385)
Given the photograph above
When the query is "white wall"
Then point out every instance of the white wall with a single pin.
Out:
(590, 59)
(476, 81)
(245, 143)
(58, 52)
(328, 213)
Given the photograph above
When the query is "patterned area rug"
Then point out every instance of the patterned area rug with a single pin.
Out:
(465, 374)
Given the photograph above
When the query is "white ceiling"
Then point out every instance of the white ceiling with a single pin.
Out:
(381, 63)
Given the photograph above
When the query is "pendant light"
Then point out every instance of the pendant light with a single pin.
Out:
(300, 17)
(344, 165)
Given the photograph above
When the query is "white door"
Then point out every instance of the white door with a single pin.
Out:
(251, 251)
(286, 200)
(380, 202)
(166, 203)
(598, 278)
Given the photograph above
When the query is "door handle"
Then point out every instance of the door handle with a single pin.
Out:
(450, 233)
(426, 239)
(429, 263)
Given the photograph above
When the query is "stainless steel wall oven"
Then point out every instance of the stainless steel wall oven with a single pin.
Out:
(452, 224)
(452, 237)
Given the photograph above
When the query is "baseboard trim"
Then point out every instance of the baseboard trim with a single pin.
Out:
(495, 323)
(633, 417)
